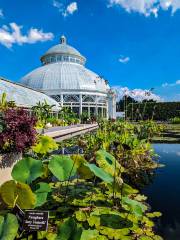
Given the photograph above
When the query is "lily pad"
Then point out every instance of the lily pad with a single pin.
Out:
(20, 193)
(27, 170)
(42, 193)
(62, 167)
(8, 227)
(100, 173)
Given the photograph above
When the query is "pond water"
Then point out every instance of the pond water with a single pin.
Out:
(164, 191)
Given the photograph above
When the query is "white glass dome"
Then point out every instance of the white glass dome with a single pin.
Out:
(64, 77)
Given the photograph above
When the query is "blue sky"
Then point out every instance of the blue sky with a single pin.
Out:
(132, 43)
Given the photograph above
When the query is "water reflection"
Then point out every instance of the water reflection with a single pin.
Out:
(164, 192)
(69, 150)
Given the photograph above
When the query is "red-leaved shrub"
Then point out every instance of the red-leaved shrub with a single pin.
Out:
(19, 133)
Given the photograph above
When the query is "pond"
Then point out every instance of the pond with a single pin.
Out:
(164, 191)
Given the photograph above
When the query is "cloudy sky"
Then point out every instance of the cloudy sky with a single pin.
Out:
(135, 44)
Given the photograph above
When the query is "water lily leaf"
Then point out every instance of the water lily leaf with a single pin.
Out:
(62, 167)
(81, 216)
(154, 214)
(145, 238)
(100, 173)
(46, 235)
(41, 193)
(45, 145)
(128, 190)
(118, 234)
(8, 227)
(83, 171)
(20, 193)
(69, 230)
(27, 170)
(136, 207)
(108, 163)
(89, 235)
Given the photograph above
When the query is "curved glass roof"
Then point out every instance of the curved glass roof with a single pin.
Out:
(65, 76)
(23, 96)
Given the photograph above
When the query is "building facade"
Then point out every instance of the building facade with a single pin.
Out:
(64, 77)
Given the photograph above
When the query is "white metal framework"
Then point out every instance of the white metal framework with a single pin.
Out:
(64, 77)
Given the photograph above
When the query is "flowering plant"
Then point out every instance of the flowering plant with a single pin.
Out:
(18, 132)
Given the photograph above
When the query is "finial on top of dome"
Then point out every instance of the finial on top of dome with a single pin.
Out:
(63, 39)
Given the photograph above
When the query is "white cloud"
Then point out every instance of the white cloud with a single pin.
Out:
(123, 59)
(171, 84)
(71, 8)
(146, 7)
(12, 34)
(137, 94)
(1, 13)
(65, 10)
(58, 5)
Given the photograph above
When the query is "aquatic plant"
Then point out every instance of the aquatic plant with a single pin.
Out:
(101, 206)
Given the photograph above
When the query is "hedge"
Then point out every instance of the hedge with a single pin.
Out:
(161, 111)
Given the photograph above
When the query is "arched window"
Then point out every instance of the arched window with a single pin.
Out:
(71, 98)
(56, 97)
(88, 99)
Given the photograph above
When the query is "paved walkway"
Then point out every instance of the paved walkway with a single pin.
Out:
(62, 133)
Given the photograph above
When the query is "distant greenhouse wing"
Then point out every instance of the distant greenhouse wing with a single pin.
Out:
(23, 96)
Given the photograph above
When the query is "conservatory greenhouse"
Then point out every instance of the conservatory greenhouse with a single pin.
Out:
(64, 77)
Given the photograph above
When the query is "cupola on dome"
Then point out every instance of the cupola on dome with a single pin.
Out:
(62, 52)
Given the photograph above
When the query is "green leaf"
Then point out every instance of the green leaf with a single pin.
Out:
(81, 216)
(20, 193)
(100, 173)
(154, 214)
(62, 167)
(45, 145)
(66, 229)
(41, 193)
(8, 227)
(89, 235)
(136, 207)
(83, 171)
(27, 170)
(108, 163)
(128, 190)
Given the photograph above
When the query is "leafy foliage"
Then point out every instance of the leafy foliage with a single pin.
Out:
(45, 145)
(18, 133)
(8, 227)
(20, 193)
(41, 193)
(62, 167)
(27, 170)
(88, 196)
(160, 111)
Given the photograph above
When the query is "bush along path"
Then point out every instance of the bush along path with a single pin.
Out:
(86, 200)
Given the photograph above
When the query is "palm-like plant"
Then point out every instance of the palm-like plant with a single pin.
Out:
(4, 104)
(42, 110)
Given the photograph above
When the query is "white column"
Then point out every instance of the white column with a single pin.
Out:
(96, 108)
(80, 104)
(62, 100)
(88, 111)
(102, 112)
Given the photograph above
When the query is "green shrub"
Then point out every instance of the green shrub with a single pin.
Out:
(161, 111)
(175, 120)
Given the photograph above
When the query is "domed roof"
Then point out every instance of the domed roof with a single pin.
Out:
(63, 70)
(63, 49)
(65, 76)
